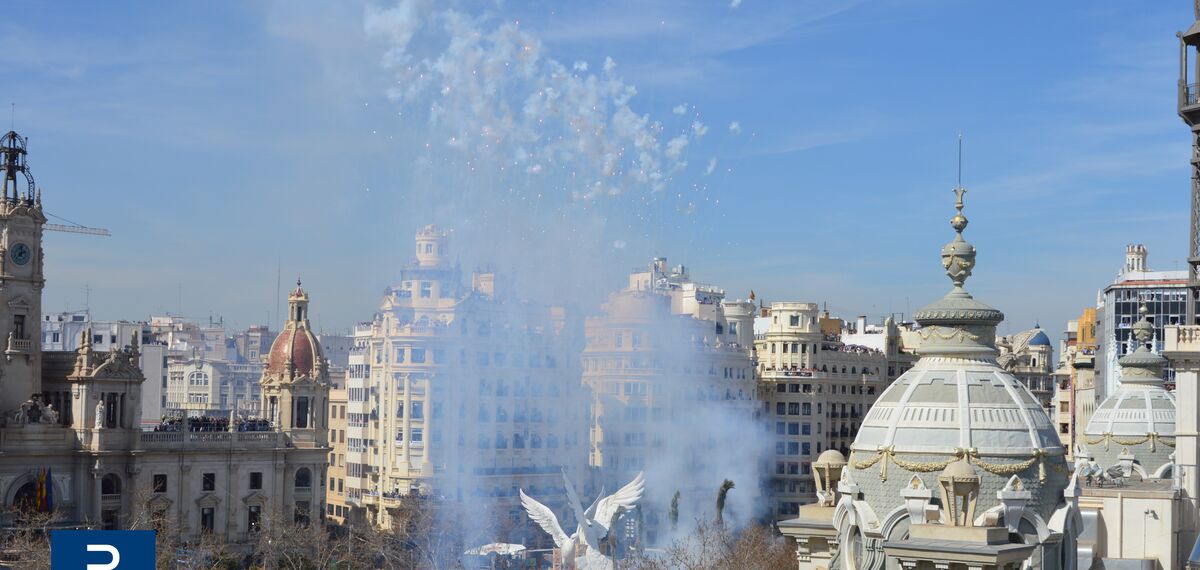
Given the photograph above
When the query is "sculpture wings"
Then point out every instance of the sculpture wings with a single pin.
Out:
(625, 498)
(545, 518)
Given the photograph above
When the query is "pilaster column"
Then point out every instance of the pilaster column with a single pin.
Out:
(1182, 347)
(97, 472)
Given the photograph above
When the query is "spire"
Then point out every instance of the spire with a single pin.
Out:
(957, 324)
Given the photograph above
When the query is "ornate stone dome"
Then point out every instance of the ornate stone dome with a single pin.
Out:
(296, 351)
(956, 403)
(1138, 419)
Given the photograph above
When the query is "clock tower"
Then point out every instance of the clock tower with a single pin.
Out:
(21, 277)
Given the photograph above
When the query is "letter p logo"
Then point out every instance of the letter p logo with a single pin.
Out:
(102, 550)
(112, 552)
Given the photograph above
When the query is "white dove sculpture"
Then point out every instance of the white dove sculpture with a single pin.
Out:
(593, 523)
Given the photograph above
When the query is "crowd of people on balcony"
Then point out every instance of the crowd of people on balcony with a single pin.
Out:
(210, 423)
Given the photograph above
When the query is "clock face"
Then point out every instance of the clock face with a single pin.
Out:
(20, 253)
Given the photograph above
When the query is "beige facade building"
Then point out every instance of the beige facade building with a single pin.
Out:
(71, 425)
(337, 508)
(1029, 355)
(200, 387)
(815, 390)
(462, 391)
(669, 366)
(1075, 396)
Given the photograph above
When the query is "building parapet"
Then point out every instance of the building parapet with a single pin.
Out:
(178, 440)
(1181, 339)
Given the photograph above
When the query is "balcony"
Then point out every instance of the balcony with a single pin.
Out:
(1189, 95)
(180, 440)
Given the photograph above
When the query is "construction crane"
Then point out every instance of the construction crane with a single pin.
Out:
(77, 229)
(12, 163)
(74, 228)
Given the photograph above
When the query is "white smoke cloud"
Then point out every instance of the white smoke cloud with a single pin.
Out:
(735, 3)
(735, 127)
(712, 166)
(492, 91)
(676, 146)
(547, 169)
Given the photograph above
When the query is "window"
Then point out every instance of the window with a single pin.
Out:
(779, 448)
(209, 482)
(303, 478)
(207, 518)
(254, 518)
(793, 448)
(256, 480)
(426, 289)
(779, 427)
(807, 448)
(110, 485)
(418, 410)
(418, 355)
(160, 483)
(807, 409)
(806, 429)
(794, 320)
(780, 408)
(793, 428)
(418, 436)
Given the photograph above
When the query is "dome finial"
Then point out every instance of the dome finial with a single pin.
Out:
(1143, 330)
(958, 257)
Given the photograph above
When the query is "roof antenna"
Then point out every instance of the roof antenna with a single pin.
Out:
(960, 137)
(12, 117)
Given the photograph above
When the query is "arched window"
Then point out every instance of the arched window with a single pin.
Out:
(303, 478)
(110, 485)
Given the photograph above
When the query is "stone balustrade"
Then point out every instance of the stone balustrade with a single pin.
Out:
(1181, 340)
(178, 440)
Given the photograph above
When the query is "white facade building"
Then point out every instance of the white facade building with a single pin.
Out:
(462, 391)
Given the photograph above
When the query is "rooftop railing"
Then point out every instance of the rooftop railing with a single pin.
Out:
(175, 440)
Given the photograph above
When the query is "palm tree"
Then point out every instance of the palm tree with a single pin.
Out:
(673, 514)
(725, 487)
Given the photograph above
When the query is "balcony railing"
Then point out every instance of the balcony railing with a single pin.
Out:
(1189, 95)
(1181, 339)
(210, 439)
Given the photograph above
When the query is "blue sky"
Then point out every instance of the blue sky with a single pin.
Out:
(221, 140)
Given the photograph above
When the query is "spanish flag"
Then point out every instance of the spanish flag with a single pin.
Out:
(40, 490)
(44, 490)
